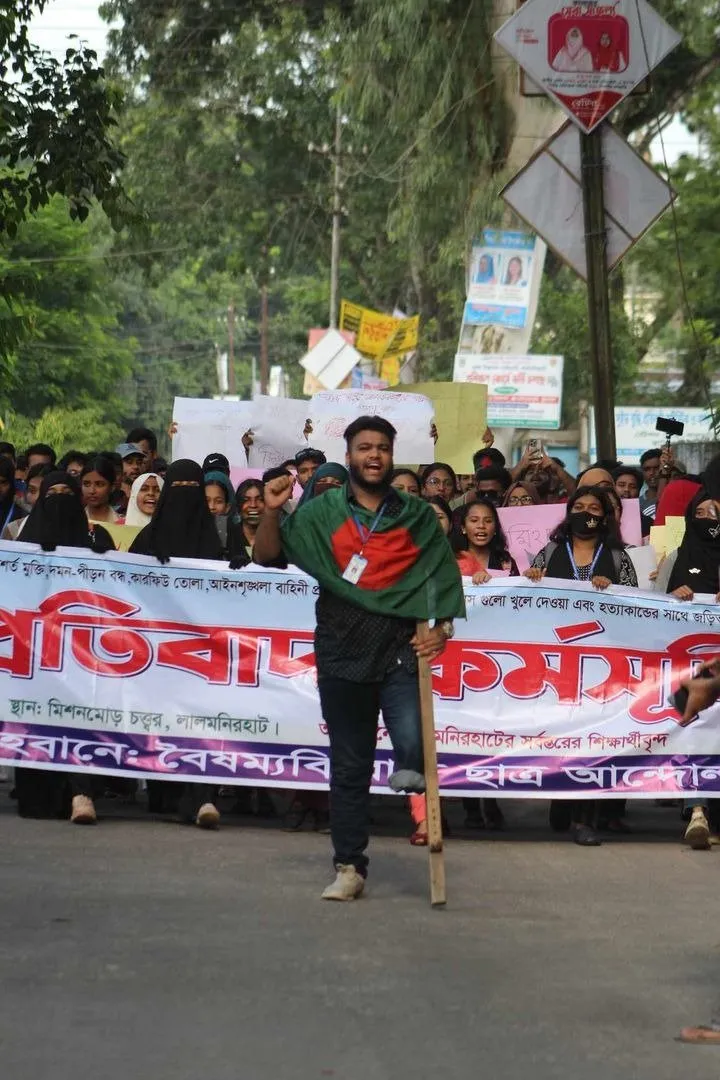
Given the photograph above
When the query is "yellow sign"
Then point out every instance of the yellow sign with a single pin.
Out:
(122, 535)
(674, 532)
(460, 419)
(379, 335)
(658, 540)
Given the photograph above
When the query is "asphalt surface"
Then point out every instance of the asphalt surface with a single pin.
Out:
(145, 948)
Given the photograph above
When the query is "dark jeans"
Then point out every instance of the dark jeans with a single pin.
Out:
(350, 710)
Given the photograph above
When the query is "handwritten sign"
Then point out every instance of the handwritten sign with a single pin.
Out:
(277, 426)
(527, 528)
(206, 426)
(411, 414)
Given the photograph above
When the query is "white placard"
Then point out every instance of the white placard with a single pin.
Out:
(547, 194)
(207, 426)
(277, 426)
(523, 391)
(331, 360)
(411, 414)
(587, 56)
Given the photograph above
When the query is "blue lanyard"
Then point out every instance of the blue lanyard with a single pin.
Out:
(576, 572)
(363, 530)
(7, 519)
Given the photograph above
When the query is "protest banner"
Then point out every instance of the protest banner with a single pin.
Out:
(527, 528)
(460, 413)
(208, 426)
(185, 671)
(277, 430)
(377, 334)
(410, 413)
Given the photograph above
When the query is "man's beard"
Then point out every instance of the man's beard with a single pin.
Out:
(381, 484)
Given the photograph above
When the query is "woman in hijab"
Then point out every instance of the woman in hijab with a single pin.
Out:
(220, 498)
(182, 527)
(586, 547)
(695, 568)
(521, 493)
(9, 510)
(58, 520)
(326, 476)
(144, 497)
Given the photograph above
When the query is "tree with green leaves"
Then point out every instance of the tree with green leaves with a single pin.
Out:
(69, 351)
(55, 124)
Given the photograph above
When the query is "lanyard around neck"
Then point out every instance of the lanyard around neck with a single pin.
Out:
(364, 532)
(593, 564)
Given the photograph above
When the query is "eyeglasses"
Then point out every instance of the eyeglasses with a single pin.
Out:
(435, 481)
(520, 500)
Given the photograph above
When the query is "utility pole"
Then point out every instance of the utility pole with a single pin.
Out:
(601, 364)
(264, 368)
(231, 348)
(337, 219)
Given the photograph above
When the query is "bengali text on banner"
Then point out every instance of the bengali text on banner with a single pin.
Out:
(119, 665)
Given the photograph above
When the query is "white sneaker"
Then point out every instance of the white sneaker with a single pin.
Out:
(208, 816)
(348, 885)
(697, 834)
(83, 811)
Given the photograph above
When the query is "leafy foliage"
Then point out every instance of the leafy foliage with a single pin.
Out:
(54, 126)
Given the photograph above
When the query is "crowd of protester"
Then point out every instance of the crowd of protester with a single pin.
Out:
(188, 509)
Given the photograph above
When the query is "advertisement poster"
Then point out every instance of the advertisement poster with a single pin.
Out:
(587, 56)
(501, 272)
(523, 391)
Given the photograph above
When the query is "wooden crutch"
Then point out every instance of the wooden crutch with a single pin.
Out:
(432, 787)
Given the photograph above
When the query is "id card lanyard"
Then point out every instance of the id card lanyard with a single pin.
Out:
(593, 564)
(358, 563)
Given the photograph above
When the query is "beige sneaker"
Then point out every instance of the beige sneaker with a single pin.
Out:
(697, 834)
(348, 885)
(208, 816)
(83, 811)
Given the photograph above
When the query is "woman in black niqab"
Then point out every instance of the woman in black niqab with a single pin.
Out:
(58, 519)
(182, 527)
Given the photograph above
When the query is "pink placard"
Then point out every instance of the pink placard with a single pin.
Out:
(527, 528)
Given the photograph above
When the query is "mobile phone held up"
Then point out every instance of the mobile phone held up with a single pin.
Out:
(535, 449)
(669, 426)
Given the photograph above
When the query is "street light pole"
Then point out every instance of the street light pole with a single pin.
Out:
(337, 219)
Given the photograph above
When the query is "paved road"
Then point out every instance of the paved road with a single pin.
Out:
(144, 948)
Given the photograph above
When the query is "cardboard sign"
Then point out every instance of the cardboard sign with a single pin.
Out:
(410, 413)
(460, 412)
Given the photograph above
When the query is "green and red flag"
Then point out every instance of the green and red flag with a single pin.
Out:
(411, 572)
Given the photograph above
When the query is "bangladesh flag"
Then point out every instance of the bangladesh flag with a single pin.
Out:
(411, 571)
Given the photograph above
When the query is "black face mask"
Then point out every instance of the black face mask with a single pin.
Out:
(585, 525)
(489, 496)
(707, 528)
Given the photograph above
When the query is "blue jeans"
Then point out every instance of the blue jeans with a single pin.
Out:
(350, 710)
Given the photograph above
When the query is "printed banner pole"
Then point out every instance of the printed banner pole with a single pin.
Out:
(432, 787)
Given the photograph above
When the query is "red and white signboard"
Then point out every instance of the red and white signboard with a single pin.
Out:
(587, 56)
